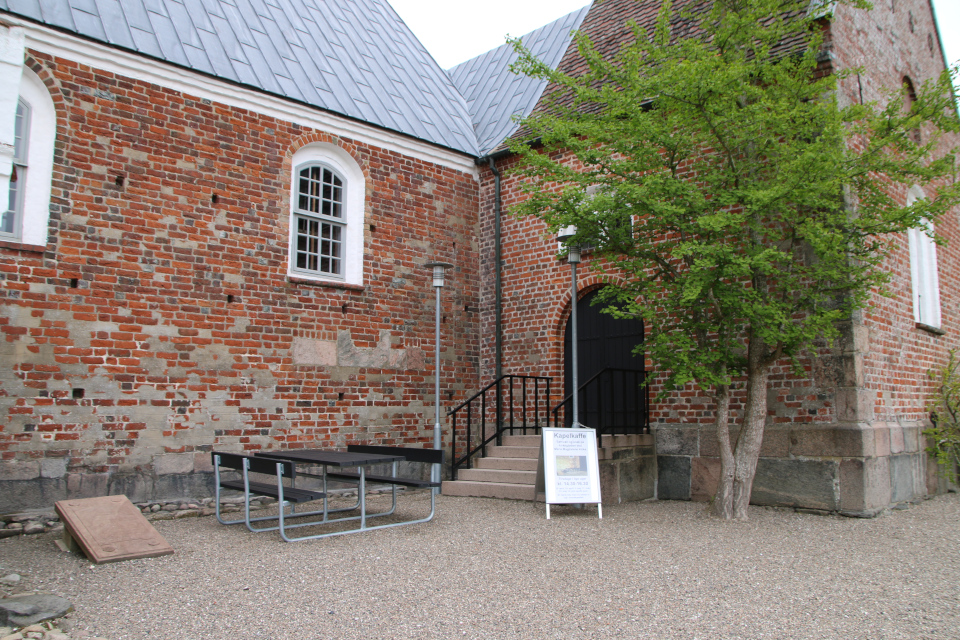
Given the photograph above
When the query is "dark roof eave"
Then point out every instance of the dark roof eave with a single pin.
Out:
(496, 154)
(502, 152)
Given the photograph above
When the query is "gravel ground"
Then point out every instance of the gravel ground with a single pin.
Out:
(499, 569)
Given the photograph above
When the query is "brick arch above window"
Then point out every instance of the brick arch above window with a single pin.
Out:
(327, 205)
(50, 81)
(338, 144)
(586, 284)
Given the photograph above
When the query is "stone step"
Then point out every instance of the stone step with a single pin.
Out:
(498, 475)
(515, 464)
(617, 441)
(513, 452)
(522, 441)
(488, 490)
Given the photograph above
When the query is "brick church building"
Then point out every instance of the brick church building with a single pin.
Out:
(219, 216)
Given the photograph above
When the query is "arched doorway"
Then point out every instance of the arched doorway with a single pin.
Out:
(610, 374)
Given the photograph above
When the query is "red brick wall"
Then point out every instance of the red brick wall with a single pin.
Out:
(536, 307)
(825, 414)
(174, 314)
(898, 40)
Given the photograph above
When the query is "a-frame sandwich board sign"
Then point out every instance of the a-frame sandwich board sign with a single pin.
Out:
(568, 471)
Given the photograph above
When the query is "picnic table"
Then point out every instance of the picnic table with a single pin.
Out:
(283, 464)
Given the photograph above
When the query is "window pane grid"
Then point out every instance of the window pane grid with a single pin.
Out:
(319, 246)
(926, 286)
(20, 133)
(320, 191)
(319, 230)
(10, 216)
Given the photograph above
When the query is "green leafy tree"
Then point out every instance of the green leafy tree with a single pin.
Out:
(944, 436)
(748, 204)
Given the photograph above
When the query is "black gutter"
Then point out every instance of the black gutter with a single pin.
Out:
(498, 279)
(490, 160)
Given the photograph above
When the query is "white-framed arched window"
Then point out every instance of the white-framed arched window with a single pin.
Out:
(326, 215)
(924, 276)
(34, 127)
(11, 220)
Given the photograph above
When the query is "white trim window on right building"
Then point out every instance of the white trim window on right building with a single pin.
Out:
(924, 277)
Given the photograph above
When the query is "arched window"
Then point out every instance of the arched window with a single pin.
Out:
(11, 219)
(326, 221)
(909, 100)
(318, 217)
(924, 275)
(27, 211)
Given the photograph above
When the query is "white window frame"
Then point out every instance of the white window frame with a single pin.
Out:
(11, 218)
(320, 208)
(34, 162)
(924, 275)
(351, 222)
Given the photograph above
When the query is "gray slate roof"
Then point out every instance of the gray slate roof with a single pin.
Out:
(353, 57)
(495, 94)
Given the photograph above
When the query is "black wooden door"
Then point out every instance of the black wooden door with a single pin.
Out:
(616, 398)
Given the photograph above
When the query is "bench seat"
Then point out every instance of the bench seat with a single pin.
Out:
(278, 469)
(264, 489)
(403, 482)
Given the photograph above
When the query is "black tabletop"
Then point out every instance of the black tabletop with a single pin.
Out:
(331, 458)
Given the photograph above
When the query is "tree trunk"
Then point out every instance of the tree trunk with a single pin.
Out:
(751, 429)
(723, 502)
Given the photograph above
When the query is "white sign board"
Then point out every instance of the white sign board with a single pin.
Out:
(571, 473)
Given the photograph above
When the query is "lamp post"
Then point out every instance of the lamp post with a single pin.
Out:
(438, 272)
(564, 236)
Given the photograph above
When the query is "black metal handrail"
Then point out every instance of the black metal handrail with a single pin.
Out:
(532, 413)
(601, 406)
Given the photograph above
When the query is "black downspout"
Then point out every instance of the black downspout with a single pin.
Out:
(498, 286)
(498, 295)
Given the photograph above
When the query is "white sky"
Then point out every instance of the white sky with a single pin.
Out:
(948, 17)
(455, 30)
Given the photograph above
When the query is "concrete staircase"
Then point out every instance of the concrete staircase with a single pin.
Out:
(508, 471)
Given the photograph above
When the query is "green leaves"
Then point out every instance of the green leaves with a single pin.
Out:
(944, 407)
(724, 177)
